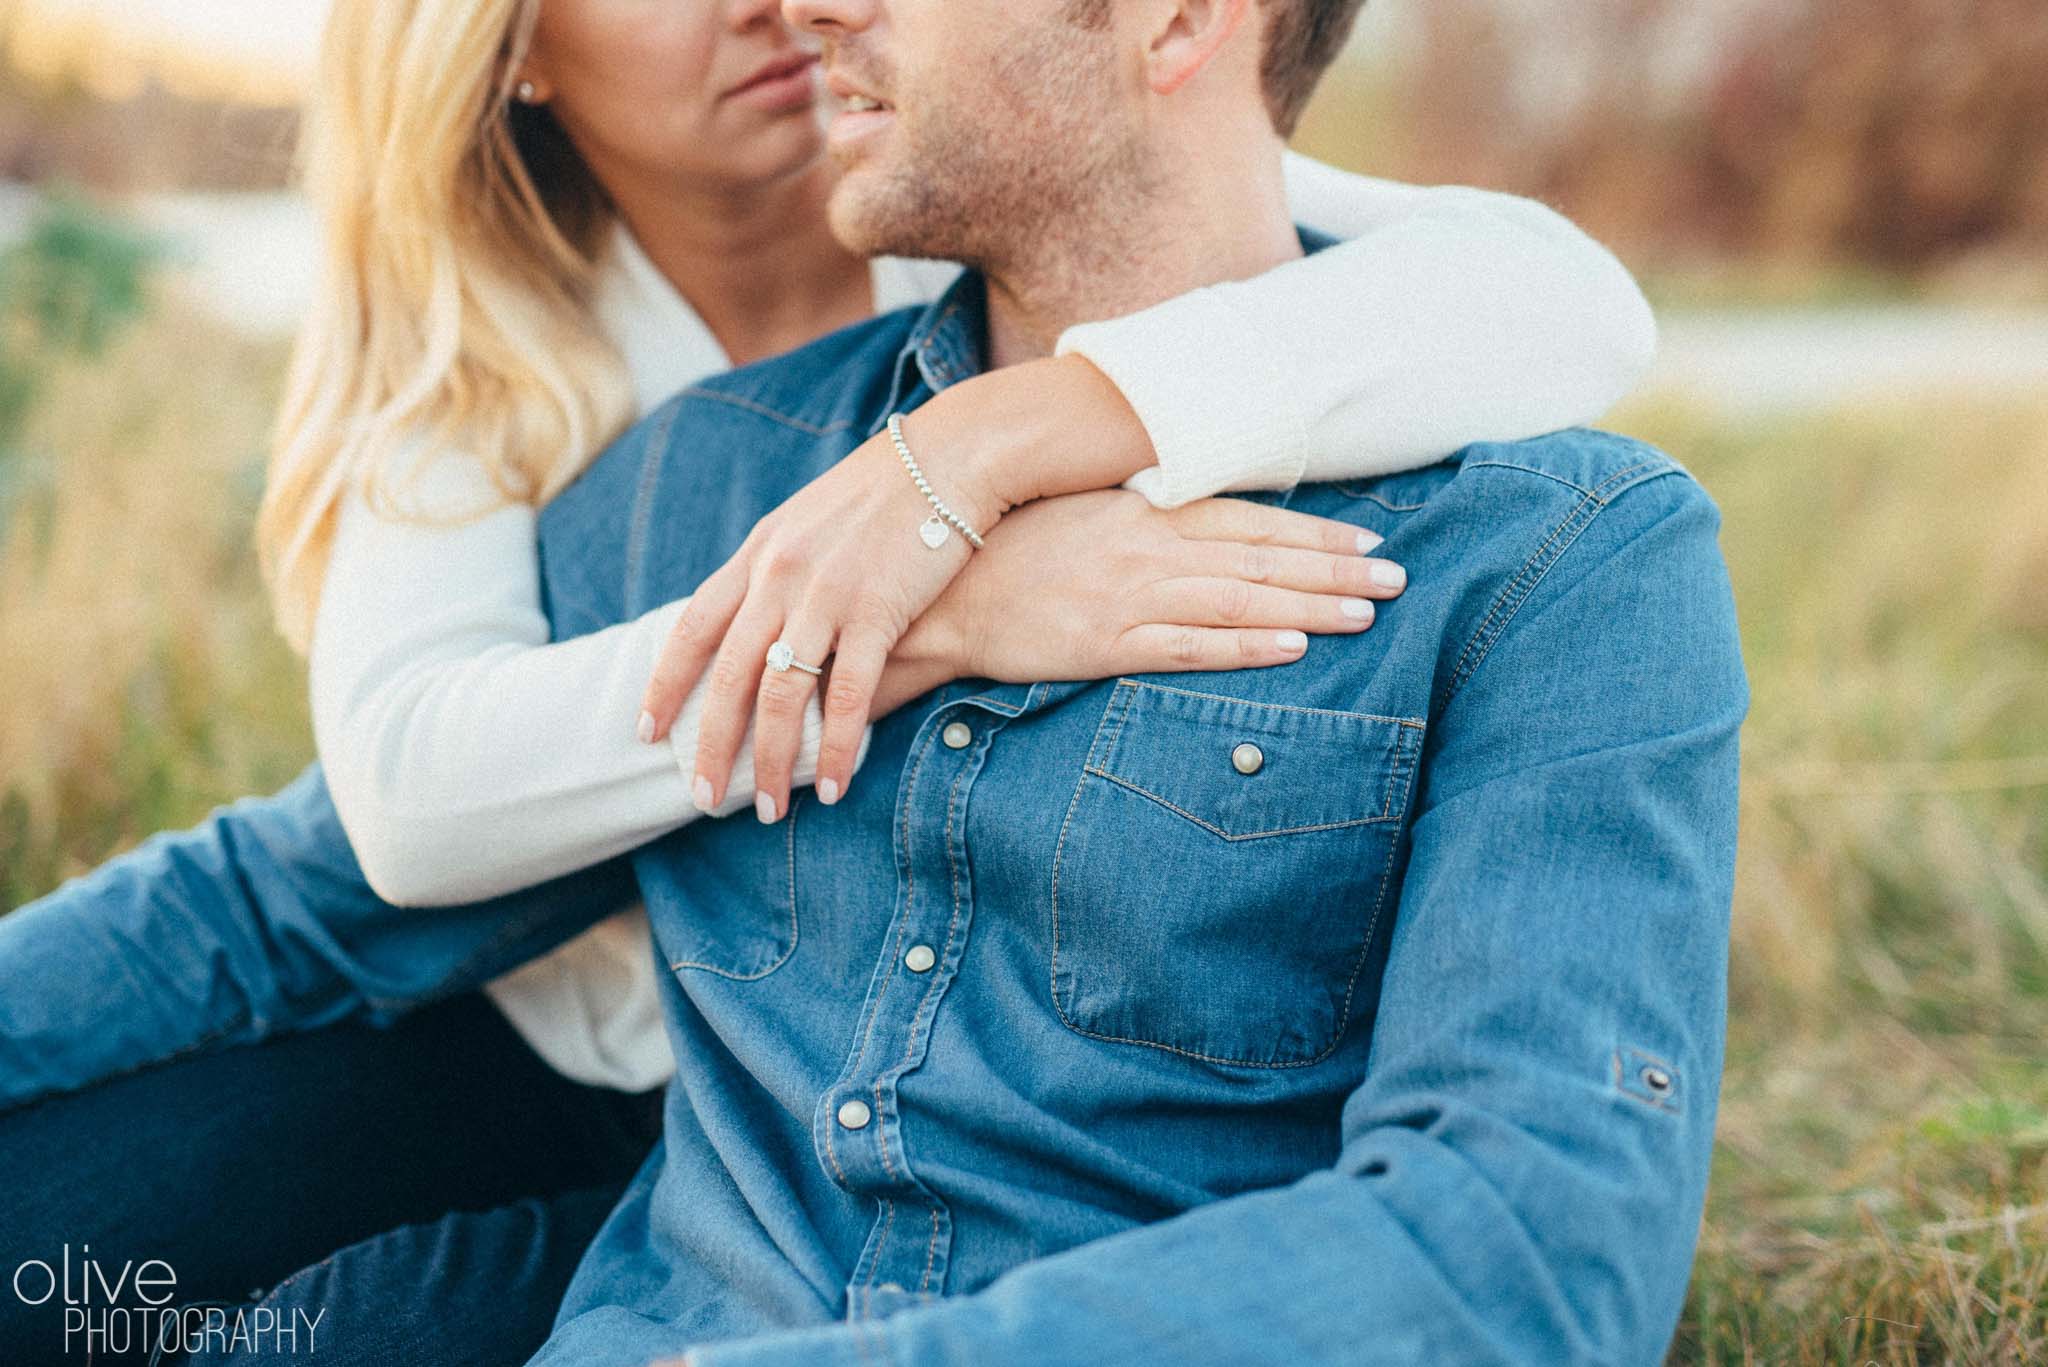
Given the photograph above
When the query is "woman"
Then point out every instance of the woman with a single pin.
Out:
(539, 225)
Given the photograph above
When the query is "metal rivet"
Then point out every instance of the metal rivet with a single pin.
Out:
(893, 1288)
(957, 736)
(1656, 1079)
(1248, 758)
(920, 959)
(855, 1115)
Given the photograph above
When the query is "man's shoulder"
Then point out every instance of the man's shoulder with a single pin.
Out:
(1595, 465)
(1517, 498)
(1500, 532)
(1583, 521)
(1579, 497)
(1556, 506)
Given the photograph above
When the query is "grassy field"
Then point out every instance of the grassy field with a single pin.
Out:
(1881, 1189)
(143, 682)
(1881, 1185)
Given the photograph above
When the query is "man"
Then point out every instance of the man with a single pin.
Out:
(1364, 1010)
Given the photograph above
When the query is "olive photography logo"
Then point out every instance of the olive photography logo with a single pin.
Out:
(102, 1309)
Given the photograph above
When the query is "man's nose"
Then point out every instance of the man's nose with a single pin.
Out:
(830, 18)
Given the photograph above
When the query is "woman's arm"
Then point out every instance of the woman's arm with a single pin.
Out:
(1453, 316)
(1445, 316)
(466, 755)
(1449, 316)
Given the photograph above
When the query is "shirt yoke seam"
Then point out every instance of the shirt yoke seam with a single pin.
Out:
(762, 410)
(653, 457)
(1524, 582)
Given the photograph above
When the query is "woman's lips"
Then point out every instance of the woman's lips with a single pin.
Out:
(788, 84)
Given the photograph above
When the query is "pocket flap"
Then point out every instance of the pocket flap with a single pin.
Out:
(1243, 770)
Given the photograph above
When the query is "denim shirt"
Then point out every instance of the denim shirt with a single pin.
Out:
(1364, 1009)
(1402, 1045)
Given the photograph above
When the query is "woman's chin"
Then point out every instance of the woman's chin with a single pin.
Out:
(797, 152)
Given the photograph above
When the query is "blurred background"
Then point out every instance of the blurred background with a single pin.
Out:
(1841, 209)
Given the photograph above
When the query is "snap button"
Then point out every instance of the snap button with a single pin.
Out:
(1248, 758)
(854, 1115)
(920, 959)
(1656, 1079)
(957, 736)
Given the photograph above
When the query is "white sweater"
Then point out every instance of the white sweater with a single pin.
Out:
(467, 756)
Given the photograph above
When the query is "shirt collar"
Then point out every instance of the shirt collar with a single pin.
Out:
(948, 344)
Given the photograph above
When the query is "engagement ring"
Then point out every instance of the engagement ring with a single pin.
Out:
(782, 659)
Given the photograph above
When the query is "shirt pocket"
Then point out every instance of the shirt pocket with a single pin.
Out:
(1222, 870)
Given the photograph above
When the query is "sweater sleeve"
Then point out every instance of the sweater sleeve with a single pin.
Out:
(1450, 316)
(467, 756)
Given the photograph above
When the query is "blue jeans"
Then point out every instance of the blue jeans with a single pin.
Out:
(471, 1289)
(318, 1171)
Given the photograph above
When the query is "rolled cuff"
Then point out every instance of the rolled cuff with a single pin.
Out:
(1216, 399)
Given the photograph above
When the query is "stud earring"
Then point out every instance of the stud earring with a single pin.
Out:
(526, 92)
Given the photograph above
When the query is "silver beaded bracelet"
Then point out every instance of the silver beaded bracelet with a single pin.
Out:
(934, 528)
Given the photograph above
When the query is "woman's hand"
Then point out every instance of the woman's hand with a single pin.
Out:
(840, 570)
(1094, 585)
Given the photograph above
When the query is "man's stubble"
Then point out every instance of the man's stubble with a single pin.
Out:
(1028, 170)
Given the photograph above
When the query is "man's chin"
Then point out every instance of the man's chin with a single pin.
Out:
(858, 220)
(902, 210)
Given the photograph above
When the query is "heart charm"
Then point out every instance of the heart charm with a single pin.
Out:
(934, 531)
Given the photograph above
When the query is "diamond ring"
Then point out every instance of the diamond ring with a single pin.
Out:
(782, 659)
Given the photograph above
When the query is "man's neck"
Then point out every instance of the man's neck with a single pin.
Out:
(1200, 224)
(759, 263)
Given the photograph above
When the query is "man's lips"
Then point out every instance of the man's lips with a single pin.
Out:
(854, 96)
(861, 114)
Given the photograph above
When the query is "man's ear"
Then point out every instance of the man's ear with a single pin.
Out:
(1186, 36)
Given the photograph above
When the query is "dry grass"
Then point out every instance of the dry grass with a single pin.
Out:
(1881, 1185)
(1881, 1190)
(142, 680)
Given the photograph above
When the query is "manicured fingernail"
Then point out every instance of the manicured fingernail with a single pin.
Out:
(1359, 608)
(700, 793)
(1389, 575)
(1292, 642)
(828, 791)
(645, 730)
(1367, 541)
(764, 807)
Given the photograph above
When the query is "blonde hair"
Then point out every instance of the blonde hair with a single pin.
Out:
(461, 234)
